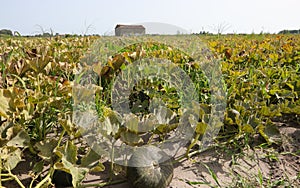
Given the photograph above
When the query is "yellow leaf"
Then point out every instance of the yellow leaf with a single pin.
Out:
(201, 128)
(4, 103)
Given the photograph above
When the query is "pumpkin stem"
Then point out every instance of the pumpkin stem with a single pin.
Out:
(192, 145)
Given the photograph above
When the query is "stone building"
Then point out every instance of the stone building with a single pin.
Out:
(129, 30)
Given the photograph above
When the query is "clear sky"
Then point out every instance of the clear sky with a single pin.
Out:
(101, 16)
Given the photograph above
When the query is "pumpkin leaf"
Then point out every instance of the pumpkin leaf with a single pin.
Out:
(38, 167)
(147, 123)
(130, 138)
(4, 103)
(165, 128)
(290, 85)
(78, 174)
(164, 115)
(98, 168)
(68, 155)
(22, 138)
(265, 111)
(10, 156)
(201, 128)
(248, 129)
(111, 121)
(270, 133)
(109, 126)
(46, 148)
(131, 122)
(67, 125)
(90, 159)
(69, 152)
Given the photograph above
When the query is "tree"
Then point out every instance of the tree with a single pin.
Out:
(6, 32)
(289, 32)
(221, 27)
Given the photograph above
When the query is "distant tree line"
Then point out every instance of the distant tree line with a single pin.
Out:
(289, 32)
(7, 32)
(202, 33)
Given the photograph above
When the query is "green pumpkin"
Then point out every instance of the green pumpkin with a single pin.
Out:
(150, 167)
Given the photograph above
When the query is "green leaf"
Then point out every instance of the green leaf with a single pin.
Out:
(165, 128)
(195, 182)
(90, 159)
(123, 66)
(296, 110)
(270, 133)
(38, 167)
(46, 148)
(131, 138)
(67, 125)
(265, 111)
(248, 129)
(10, 156)
(99, 168)
(290, 86)
(204, 109)
(22, 138)
(68, 152)
(78, 174)
(274, 91)
(132, 122)
(109, 126)
(201, 128)
(111, 121)
(164, 115)
(148, 123)
(228, 121)
(68, 155)
(212, 173)
(3, 130)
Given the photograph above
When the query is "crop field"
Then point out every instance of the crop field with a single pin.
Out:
(243, 130)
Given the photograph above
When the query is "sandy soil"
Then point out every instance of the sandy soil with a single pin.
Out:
(246, 165)
(229, 167)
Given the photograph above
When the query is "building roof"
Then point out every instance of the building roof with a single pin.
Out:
(130, 26)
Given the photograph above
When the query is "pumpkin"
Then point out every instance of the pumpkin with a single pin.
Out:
(62, 179)
(150, 167)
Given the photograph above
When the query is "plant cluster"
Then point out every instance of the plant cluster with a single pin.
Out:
(262, 75)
